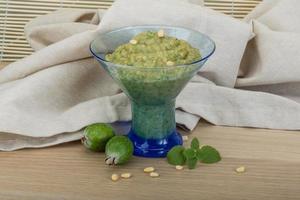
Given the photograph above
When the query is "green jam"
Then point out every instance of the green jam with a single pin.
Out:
(153, 83)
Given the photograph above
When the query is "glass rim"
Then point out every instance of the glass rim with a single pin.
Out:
(153, 26)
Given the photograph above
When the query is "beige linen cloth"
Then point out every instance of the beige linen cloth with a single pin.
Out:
(48, 97)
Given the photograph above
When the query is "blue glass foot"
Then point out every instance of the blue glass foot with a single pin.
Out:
(154, 148)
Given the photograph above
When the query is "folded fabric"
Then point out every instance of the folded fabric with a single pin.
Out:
(49, 96)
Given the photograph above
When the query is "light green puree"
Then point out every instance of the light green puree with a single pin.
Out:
(154, 51)
(155, 80)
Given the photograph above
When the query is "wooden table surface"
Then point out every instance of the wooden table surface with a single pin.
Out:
(69, 172)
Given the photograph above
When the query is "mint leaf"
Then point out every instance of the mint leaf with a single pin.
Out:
(208, 154)
(195, 144)
(175, 155)
(200, 154)
(192, 162)
(189, 153)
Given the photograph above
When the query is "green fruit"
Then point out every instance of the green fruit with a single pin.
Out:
(118, 150)
(96, 136)
(175, 155)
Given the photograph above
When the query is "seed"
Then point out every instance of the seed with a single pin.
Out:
(126, 175)
(185, 138)
(170, 63)
(133, 41)
(241, 169)
(179, 167)
(115, 177)
(161, 33)
(149, 169)
(154, 174)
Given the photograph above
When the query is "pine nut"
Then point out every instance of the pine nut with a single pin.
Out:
(126, 175)
(115, 177)
(179, 167)
(170, 63)
(149, 169)
(161, 33)
(185, 138)
(133, 41)
(241, 169)
(154, 174)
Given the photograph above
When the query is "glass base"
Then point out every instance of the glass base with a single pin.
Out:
(154, 148)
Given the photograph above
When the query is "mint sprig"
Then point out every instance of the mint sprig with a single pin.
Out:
(178, 155)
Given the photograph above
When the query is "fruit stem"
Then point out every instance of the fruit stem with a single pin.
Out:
(83, 139)
(110, 160)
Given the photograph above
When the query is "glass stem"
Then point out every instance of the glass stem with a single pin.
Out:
(153, 121)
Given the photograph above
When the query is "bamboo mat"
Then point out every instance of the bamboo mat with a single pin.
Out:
(14, 14)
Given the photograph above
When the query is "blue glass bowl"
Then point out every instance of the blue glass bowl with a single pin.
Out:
(152, 90)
